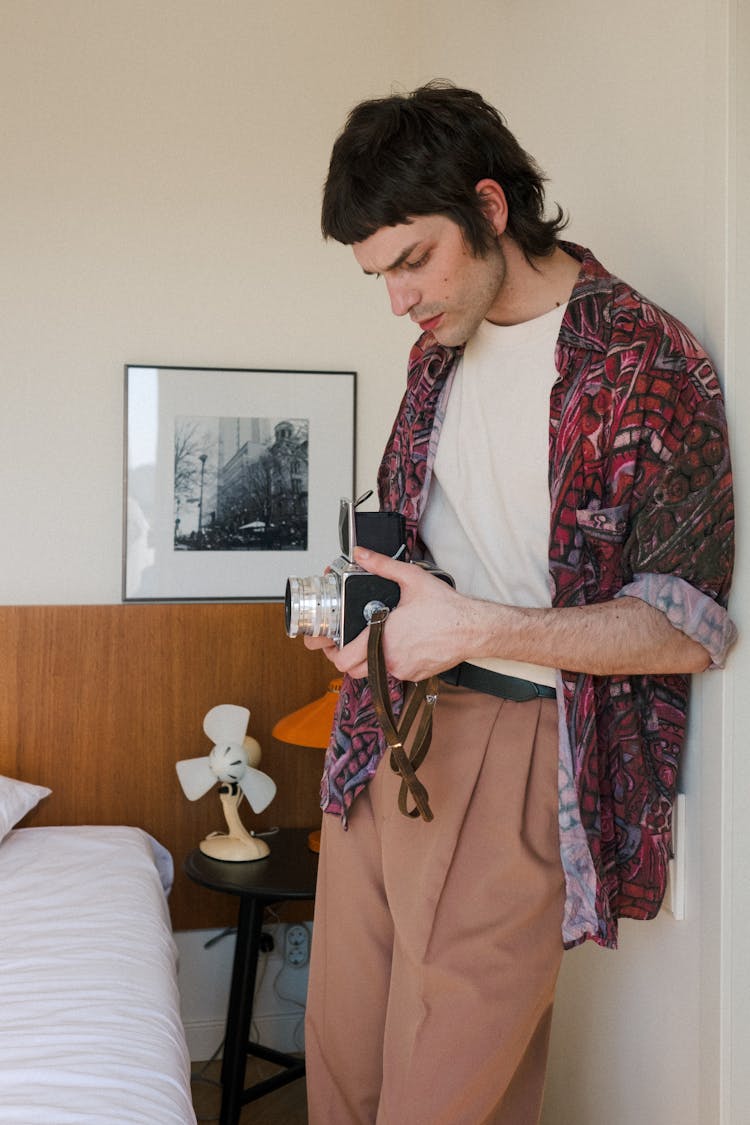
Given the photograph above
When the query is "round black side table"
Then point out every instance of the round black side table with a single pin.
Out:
(289, 872)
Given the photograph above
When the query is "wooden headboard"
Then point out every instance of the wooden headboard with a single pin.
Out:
(99, 702)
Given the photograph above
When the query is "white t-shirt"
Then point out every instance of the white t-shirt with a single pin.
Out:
(487, 515)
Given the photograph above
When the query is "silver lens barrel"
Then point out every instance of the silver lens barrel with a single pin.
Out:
(313, 605)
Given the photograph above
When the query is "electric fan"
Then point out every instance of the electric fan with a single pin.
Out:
(232, 763)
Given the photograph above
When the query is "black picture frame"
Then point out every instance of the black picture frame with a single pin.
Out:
(232, 479)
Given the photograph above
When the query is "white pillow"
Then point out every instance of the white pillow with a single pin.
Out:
(16, 799)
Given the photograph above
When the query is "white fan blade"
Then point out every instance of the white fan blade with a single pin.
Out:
(226, 723)
(196, 777)
(259, 789)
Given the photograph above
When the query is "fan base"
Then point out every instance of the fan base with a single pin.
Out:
(234, 850)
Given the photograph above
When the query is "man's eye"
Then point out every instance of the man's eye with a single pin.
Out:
(419, 262)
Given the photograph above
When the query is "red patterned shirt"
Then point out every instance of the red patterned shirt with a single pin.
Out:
(641, 505)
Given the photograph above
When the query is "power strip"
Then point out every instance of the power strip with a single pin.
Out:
(297, 946)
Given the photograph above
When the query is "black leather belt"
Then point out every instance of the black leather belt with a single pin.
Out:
(495, 683)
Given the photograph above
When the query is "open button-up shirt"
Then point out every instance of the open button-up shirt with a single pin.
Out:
(641, 505)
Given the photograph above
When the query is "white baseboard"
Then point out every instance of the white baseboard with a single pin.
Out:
(204, 1039)
(283, 1032)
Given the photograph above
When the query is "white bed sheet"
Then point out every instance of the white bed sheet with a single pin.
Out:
(90, 1027)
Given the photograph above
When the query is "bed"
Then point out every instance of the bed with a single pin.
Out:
(90, 1028)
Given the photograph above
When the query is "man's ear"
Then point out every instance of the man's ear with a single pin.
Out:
(494, 204)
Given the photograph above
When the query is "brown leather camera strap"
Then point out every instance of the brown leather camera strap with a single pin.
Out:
(419, 701)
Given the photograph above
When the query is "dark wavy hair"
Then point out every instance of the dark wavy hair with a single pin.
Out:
(423, 153)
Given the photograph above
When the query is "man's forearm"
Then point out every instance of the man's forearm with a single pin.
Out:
(433, 627)
(621, 637)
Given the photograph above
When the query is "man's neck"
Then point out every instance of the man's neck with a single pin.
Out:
(534, 288)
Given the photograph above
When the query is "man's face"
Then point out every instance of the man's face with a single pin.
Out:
(432, 275)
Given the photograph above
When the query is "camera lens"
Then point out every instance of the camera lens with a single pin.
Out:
(312, 606)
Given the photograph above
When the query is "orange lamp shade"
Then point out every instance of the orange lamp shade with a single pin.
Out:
(311, 725)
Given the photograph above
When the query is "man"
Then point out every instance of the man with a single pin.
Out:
(580, 495)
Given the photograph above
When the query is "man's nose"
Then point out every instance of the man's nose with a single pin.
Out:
(403, 296)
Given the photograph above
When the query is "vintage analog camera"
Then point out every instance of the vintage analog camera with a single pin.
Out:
(338, 604)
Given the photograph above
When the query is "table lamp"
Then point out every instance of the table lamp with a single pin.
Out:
(310, 726)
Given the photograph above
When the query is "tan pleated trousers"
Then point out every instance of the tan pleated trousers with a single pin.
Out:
(436, 946)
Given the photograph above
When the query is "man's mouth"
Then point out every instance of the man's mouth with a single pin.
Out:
(430, 324)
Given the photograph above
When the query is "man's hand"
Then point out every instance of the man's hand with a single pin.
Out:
(422, 635)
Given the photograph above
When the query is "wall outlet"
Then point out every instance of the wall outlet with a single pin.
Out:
(297, 945)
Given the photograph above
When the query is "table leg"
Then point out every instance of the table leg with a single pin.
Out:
(247, 947)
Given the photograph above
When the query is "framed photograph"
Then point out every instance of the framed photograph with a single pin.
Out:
(232, 479)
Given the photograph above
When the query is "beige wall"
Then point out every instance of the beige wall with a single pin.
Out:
(160, 193)
(159, 196)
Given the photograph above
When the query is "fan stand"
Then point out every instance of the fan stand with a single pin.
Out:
(236, 846)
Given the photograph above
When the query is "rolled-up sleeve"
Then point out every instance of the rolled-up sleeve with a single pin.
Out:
(696, 614)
